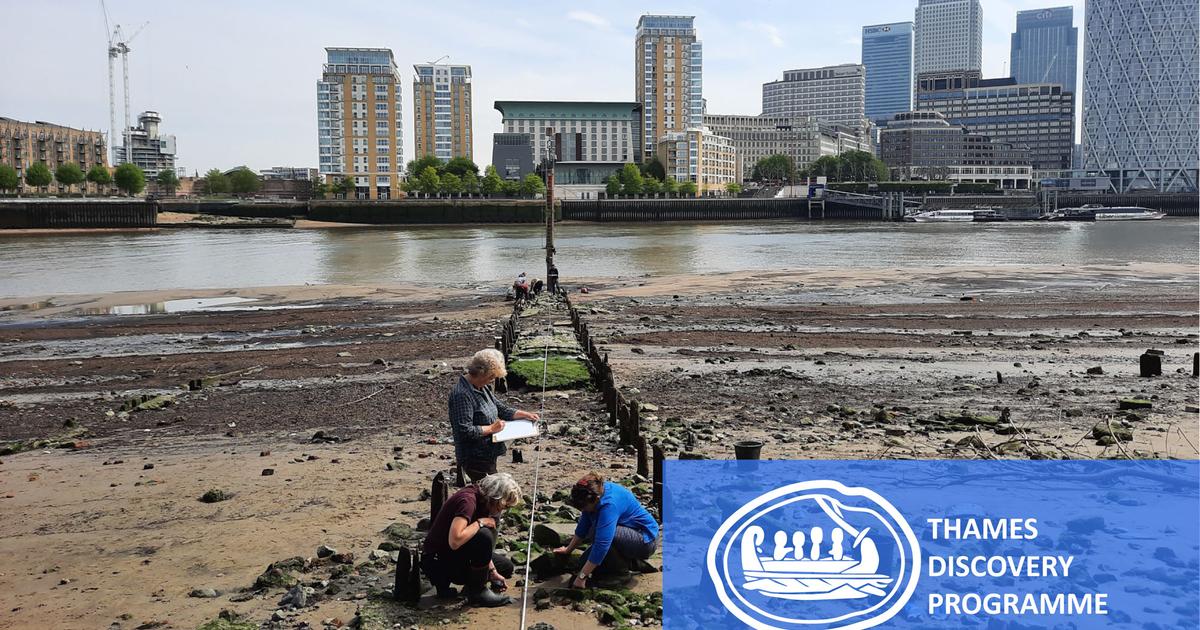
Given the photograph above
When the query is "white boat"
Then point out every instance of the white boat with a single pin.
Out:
(1096, 212)
(943, 216)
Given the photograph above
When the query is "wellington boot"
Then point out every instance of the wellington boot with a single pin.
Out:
(479, 593)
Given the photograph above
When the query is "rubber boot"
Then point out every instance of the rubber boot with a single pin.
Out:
(478, 593)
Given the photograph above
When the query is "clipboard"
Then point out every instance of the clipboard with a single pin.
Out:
(515, 430)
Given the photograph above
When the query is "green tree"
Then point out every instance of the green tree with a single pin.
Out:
(612, 186)
(38, 175)
(688, 188)
(651, 186)
(215, 182)
(670, 186)
(130, 179)
(451, 184)
(733, 188)
(9, 180)
(319, 189)
(461, 166)
(510, 187)
(243, 181)
(346, 186)
(826, 165)
(631, 179)
(532, 185)
(99, 176)
(428, 181)
(168, 180)
(492, 183)
(418, 166)
(776, 167)
(653, 168)
(69, 174)
(470, 182)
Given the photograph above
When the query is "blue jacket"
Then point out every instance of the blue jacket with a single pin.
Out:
(617, 506)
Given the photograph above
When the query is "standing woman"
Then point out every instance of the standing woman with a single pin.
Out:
(476, 415)
(619, 528)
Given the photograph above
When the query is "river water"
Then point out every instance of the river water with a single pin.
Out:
(205, 259)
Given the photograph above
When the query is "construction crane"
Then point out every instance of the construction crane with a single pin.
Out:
(438, 60)
(118, 45)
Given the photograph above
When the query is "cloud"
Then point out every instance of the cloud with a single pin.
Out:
(770, 31)
(590, 19)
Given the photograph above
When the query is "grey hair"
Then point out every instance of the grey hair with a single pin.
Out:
(489, 362)
(502, 488)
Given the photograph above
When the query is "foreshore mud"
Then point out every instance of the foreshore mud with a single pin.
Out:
(122, 422)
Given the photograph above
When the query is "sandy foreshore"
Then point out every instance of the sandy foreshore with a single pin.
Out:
(816, 363)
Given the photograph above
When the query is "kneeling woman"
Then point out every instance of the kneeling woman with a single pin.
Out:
(619, 528)
(460, 545)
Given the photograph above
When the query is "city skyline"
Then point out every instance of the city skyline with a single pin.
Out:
(243, 102)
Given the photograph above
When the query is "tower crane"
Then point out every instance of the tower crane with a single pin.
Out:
(118, 45)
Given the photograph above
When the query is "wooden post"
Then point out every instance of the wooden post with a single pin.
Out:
(635, 422)
(414, 579)
(659, 456)
(437, 495)
(643, 464)
(403, 573)
(1150, 363)
(517, 457)
(459, 482)
(1195, 364)
(623, 423)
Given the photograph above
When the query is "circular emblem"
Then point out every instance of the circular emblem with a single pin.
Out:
(815, 555)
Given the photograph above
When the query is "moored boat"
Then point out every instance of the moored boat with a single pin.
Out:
(1096, 212)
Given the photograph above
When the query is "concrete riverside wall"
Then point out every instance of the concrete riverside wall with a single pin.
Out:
(234, 208)
(429, 211)
(636, 210)
(81, 213)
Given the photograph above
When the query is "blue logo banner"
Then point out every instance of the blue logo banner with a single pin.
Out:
(835, 545)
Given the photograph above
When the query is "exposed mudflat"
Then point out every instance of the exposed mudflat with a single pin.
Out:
(814, 363)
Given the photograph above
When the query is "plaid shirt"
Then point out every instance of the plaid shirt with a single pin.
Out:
(471, 409)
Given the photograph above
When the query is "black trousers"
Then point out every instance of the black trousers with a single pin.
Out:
(454, 566)
(476, 470)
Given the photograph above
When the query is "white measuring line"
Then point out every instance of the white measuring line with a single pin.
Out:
(537, 466)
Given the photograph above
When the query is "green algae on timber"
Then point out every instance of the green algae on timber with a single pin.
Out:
(560, 373)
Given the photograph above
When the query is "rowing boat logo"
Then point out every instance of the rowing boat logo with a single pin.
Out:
(816, 555)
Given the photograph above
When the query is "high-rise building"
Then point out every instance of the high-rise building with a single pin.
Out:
(668, 63)
(359, 119)
(702, 157)
(1140, 91)
(24, 143)
(442, 110)
(887, 53)
(924, 145)
(149, 150)
(833, 94)
(583, 131)
(948, 36)
(800, 138)
(1038, 117)
(1045, 47)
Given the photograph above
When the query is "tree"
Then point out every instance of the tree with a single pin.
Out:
(510, 187)
(826, 165)
(69, 174)
(631, 179)
(688, 188)
(319, 189)
(450, 184)
(129, 178)
(215, 182)
(243, 181)
(461, 166)
(653, 168)
(418, 166)
(38, 175)
(670, 186)
(733, 188)
(99, 176)
(346, 186)
(612, 186)
(651, 186)
(428, 181)
(168, 180)
(776, 167)
(470, 182)
(492, 183)
(532, 185)
(9, 180)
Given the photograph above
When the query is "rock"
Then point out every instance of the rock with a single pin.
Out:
(541, 625)
(1095, 370)
(546, 537)
(649, 407)
(402, 532)
(1134, 403)
(344, 354)
(215, 496)
(267, 472)
(148, 467)
(204, 593)
(1114, 430)
(691, 455)
(324, 551)
(346, 557)
(551, 564)
(380, 554)
(390, 546)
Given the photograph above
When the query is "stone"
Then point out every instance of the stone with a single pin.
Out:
(541, 625)
(203, 593)
(402, 532)
(267, 472)
(1095, 370)
(390, 546)
(324, 551)
(296, 597)
(380, 554)
(1114, 430)
(1134, 403)
(546, 537)
(148, 467)
(215, 496)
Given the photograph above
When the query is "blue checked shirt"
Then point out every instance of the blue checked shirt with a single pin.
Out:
(472, 409)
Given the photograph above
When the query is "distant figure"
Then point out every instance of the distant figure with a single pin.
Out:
(476, 414)
(620, 529)
(521, 286)
(552, 279)
(537, 287)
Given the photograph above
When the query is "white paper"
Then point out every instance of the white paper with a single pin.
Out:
(515, 430)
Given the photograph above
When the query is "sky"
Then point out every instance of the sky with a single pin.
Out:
(235, 80)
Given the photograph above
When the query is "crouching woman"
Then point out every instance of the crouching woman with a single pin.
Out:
(460, 546)
(616, 524)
